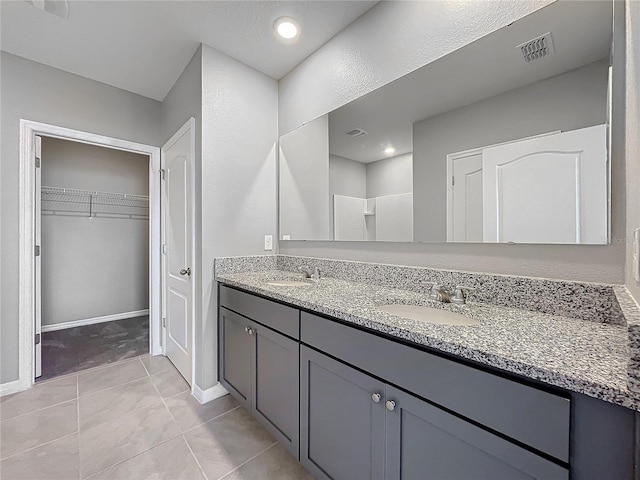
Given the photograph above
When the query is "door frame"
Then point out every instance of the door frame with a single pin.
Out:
(28, 131)
(188, 127)
(452, 157)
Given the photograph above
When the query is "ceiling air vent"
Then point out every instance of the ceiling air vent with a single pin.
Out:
(356, 132)
(537, 48)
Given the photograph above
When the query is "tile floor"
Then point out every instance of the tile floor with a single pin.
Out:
(134, 420)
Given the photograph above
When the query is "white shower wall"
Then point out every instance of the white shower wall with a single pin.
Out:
(93, 267)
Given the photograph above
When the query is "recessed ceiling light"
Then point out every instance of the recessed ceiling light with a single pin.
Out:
(286, 28)
(389, 150)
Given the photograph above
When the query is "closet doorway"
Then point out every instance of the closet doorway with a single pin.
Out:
(94, 256)
(96, 264)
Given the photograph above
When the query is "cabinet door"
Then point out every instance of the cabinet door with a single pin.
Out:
(424, 442)
(276, 390)
(341, 427)
(236, 345)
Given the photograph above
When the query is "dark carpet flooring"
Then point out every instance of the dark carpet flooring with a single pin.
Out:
(74, 349)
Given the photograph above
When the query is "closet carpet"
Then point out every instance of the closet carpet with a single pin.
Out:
(74, 349)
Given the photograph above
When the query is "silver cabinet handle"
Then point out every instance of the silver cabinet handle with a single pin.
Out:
(185, 271)
(376, 397)
(391, 405)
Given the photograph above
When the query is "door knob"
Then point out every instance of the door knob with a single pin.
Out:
(376, 397)
(185, 271)
(391, 405)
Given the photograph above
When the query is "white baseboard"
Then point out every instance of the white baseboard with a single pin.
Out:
(10, 387)
(94, 320)
(204, 396)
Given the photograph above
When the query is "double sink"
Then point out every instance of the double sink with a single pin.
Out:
(419, 313)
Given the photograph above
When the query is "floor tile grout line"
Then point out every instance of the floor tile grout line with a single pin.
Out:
(179, 393)
(244, 463)
(184, 439)
(147, 449)
(144, 366)
(117, 416)
(127, 459)
(109, 388)
(212, 418)
(87, 370)
(39, 410)
(38, 446)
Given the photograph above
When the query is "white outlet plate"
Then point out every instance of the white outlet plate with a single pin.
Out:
(268, 242)
(286, 237)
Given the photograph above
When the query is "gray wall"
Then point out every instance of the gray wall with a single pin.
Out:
(633, 137)
(36, 92)
(304, 181)
(390, 176)
(346, 177)
(573, 100)
(96, 266)
(239, 138)
(374, 51)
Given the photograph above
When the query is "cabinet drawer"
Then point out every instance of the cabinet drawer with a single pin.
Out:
(274, 315)
(527, 414)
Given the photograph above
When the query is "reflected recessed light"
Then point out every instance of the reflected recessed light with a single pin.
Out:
(389, 150)
(286, 28)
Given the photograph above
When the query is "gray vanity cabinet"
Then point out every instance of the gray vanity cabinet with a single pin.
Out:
(236, 361)
(342, 426)
(260, 369)
(425, 442)
(355, 426)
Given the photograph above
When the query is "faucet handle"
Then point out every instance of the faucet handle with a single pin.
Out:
(433, 293)
(316, 274)
(460, 296)
(304, 269)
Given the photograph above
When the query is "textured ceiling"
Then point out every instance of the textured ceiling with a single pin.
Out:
(143, 46)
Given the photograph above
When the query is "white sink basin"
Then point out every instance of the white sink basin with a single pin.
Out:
(289, 283)
(428, 314)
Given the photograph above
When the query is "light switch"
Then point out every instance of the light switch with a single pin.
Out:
(268, 242)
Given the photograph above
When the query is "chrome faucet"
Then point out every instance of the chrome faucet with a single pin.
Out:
(457, 296)
(439, 294)
(315, 275)
(305, 270)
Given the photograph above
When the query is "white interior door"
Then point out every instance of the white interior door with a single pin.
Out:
(551, 189)
(178, 191)
(37, 351)
(464, 207)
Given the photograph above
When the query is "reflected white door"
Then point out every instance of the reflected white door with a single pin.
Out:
(464, 208)
(177, 207)
(37, 284)
(551, 189)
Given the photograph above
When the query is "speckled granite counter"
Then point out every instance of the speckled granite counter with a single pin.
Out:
(582, 356)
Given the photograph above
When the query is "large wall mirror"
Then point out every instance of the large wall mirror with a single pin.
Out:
(504, 140)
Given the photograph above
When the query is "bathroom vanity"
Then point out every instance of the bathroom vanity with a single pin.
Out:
(354, 392)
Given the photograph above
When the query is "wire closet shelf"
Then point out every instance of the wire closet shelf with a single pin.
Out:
(85, 203)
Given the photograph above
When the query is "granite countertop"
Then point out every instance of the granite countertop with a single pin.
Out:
(577, 355)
